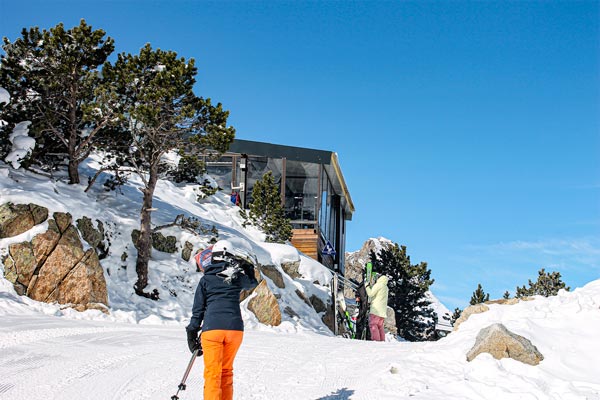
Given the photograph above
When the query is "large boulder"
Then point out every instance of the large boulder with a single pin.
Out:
(84, 285)
(502, 343)
(19, 218)
(265, 306)
(53, 267)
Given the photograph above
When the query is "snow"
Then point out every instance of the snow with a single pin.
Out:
(22, 144)
(4, 96)
(139, 350)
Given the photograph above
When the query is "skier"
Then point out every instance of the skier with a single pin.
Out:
(378, 297)
(216, 308)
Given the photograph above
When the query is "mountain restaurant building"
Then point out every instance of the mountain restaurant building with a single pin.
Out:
(313, 192)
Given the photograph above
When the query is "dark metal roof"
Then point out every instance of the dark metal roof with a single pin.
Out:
(280, 151)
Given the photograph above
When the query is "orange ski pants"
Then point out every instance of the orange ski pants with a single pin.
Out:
(220, 347)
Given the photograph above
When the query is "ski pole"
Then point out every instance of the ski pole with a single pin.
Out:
(182, 385)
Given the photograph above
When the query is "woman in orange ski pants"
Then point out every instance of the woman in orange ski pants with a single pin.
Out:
(217, 309)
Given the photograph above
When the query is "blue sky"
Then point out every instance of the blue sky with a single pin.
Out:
(467, 131)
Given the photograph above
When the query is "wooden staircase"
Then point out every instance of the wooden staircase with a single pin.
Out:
(307, 241)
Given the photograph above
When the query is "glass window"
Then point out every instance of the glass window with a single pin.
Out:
(258, 167)
(325, 213)
(220, 170)
(301, 190)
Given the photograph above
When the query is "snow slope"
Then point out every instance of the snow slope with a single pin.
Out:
(46, 357)
(139, 351)
(175, 279)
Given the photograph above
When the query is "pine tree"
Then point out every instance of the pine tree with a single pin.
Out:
(408, 287)
(455, 315)
(479, 296)
(506, 295)
(160, 114)
(188, 169)
(54, 82)
(267, 212)
(547, 284)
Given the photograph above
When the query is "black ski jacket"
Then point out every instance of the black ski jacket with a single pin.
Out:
(217, 303)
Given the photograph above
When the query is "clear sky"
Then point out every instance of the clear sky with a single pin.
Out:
(467, 131)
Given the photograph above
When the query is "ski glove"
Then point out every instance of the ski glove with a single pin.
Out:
(194, 342)
(248, 270)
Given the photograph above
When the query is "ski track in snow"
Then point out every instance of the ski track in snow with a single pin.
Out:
(56, 358)
(125, 361)
(45, 357)
(11, 339)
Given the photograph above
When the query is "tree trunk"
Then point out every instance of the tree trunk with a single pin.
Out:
(72, 135)
(144, 244)
(73, 171)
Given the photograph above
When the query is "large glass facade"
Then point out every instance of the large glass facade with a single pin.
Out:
(307, 193)
(301, 193)
(258, 167)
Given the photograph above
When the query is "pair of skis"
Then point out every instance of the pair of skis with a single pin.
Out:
(368, 273)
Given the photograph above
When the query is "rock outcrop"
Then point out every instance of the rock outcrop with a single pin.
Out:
(265, 306)
(502, 343)
(483, 307)
(53, 267)
(467, 312)
(19, 218)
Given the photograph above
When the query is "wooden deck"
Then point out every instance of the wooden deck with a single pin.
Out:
(306, 240)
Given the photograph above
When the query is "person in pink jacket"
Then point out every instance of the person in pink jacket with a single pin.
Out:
(378, 297)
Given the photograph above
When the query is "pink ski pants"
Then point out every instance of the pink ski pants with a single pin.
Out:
(376, 328)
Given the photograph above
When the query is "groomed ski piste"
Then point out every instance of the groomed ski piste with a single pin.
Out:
(139, 351)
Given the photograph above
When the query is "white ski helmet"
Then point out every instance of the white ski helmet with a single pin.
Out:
(225, 250)
(222, 250)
